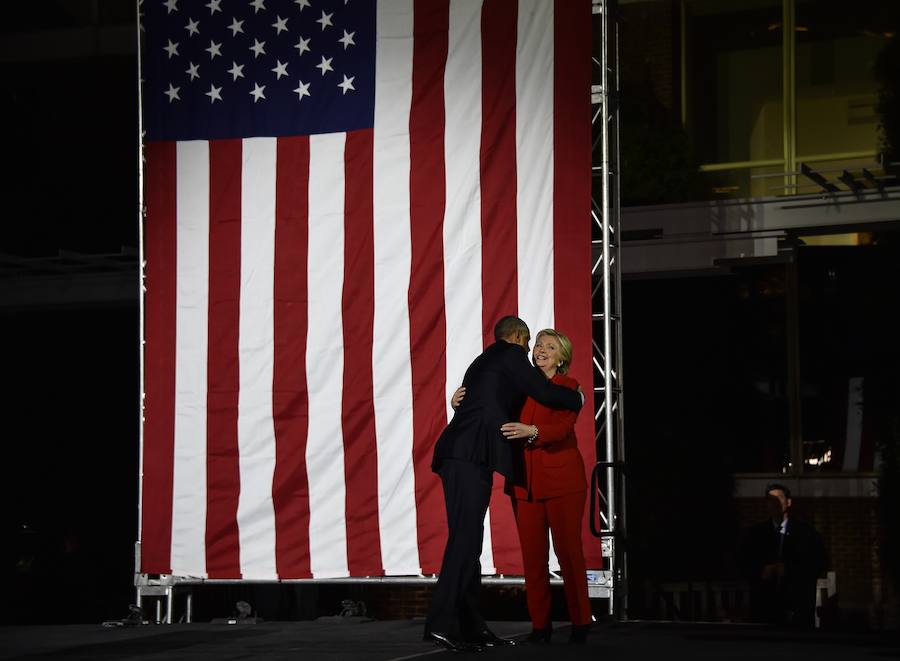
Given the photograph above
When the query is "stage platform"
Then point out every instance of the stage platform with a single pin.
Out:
(332, 639)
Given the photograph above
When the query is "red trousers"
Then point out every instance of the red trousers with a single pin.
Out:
(562, 516)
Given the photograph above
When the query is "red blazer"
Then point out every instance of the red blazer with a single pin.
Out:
(553, 466)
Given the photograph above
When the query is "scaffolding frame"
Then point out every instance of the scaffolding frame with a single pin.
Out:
(607, 506)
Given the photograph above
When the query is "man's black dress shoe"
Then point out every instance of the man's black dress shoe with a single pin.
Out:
(451, 643)
(488, 638)
(540, 636)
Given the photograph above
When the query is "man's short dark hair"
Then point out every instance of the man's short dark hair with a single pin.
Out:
(778, 487)
(509, 326)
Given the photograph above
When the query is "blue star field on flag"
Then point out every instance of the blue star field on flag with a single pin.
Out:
(216, 69)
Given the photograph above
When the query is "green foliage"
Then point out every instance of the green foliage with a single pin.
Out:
(655, 155)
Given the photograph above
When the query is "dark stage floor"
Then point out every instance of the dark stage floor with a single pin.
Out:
(333, 639)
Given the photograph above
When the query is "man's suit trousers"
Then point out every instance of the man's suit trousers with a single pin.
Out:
(454, 605)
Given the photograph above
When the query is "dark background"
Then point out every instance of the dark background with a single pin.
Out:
(705, 356)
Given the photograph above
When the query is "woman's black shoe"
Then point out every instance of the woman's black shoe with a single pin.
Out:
(540, 636)
(579, 634)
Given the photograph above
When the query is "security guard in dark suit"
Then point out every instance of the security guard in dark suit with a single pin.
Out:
(466, 455)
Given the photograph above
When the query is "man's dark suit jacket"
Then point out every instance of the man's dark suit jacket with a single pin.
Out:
(790, 599)
(496, 383)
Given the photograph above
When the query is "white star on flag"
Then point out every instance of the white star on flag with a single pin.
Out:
(280, 70)
(347, 84)
(214, 49)
(280, 25)
(257, 5)
(214, 6)
(347, 39)
(235, 27)
(192, 27)
(214, 93)
(236, 70)
(193, 71)
(258, 47)
(171, 5)
(325, 21)
(172, 93)
(325, 65)
(302, 45)
(302, 90)
(303, 4)
(257, 92)
(171, 49)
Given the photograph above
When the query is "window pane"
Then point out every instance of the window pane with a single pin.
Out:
(734, 79)
(837, 47)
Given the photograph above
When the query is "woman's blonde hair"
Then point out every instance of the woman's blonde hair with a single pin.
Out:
(565, 347)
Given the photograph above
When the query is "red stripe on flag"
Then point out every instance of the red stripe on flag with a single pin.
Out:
(290, 403)
(499, 19)
(498, 162)
(159, 358)
(571, 214)
(427, 324)
(223, 480)
(358, 312)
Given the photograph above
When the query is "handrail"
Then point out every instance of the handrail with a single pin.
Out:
(618, 469)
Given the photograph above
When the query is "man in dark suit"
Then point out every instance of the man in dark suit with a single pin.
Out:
(466, 455)
(782, 557)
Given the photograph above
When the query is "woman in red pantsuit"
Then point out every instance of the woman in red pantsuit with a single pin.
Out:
(548, 495)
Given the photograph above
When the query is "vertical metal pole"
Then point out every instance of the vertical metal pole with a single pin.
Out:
(607, 358)
(170, 603)
(683, 64)
(140, 282)
(788, 93)
(792, 323)
(615, 270)
(607, 308)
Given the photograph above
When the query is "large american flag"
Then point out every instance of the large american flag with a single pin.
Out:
(342, 197)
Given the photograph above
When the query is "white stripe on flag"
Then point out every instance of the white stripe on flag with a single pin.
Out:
(256, 430)
(534, 169)
(462, 218)
(391, 369)
(191, 338)
(534, 162)
(325, 358)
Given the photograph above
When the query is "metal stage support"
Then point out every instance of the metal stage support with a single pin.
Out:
(607, 505)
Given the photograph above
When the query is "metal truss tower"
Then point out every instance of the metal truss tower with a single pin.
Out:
(607, 509)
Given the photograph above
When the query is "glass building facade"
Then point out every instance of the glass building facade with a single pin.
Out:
(769, 85)
(755, 99)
